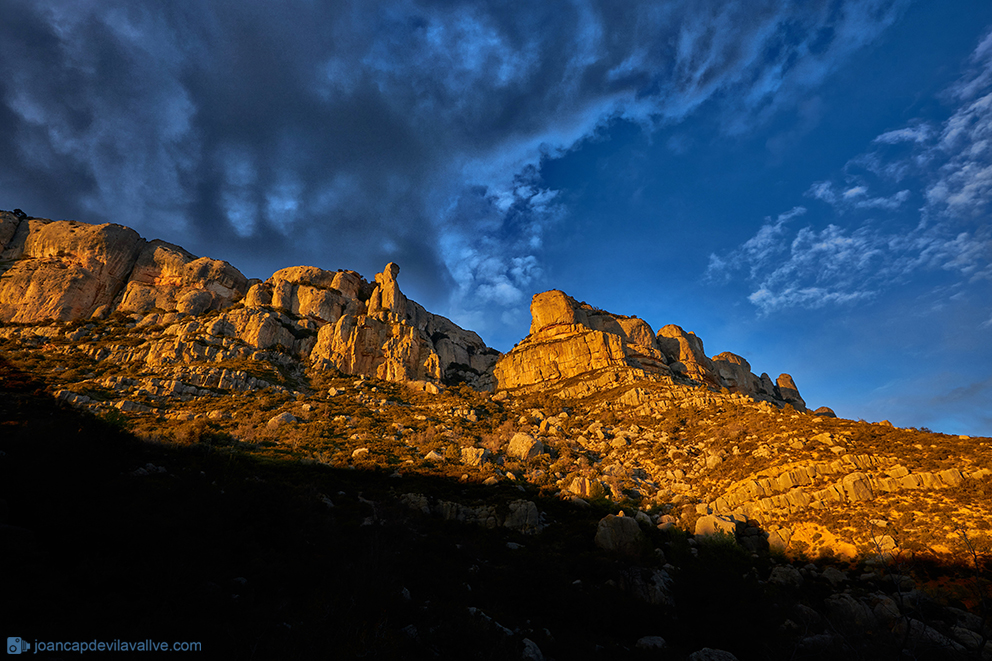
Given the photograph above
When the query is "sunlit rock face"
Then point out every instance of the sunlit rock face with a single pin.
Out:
(570, 340)
(62, 270)
(66, 271)
(166, 277)
(393, 338)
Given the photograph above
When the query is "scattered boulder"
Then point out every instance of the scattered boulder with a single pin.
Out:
(474, 456)
(651, 643)
(786, 576)
(524, 446)
(583, 487)
(712, 524)
(280, 420)
(708, 654)
(619, 534)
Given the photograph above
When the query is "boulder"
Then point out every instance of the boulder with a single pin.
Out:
(280, 420)
(709, 654)
(857, 487)
(583, 487)
(846, 612)
(834, 576)
(523, 517)
(524, 446)
(474, 456)
(786, 576)
(652, 586)
(619, 534)
(712, 524)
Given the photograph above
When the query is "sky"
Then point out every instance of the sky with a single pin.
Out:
(806, 184)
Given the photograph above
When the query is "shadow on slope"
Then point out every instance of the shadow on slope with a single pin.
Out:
(107, 537)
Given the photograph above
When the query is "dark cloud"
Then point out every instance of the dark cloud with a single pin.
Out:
(349, 134)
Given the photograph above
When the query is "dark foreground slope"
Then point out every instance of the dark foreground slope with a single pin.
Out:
(108, 537)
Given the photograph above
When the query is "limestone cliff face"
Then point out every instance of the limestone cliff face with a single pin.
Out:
(168, 278)
(65, 270)
(307, 291)
(790, 392)
(62, 270)
(396, 339)
(685, 353)
(570, 340)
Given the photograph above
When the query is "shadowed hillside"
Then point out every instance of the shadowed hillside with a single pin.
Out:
(315, 465)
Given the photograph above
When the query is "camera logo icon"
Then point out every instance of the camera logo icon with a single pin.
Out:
(15, 645)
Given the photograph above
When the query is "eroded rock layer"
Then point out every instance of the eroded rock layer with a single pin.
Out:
(571, 341)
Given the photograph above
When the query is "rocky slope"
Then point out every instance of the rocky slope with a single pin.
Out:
(592, 411)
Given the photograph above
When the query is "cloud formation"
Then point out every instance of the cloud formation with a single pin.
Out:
(350, 133)
(945, 169)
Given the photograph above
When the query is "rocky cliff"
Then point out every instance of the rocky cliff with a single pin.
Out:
(571, 344)
(66, 270)
(70, 271)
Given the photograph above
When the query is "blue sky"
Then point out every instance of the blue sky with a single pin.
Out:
(804, 184)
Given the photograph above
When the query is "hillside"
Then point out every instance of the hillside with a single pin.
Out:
(357, 423)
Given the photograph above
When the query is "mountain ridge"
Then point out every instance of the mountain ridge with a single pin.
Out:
(634, 440)
(69, 271)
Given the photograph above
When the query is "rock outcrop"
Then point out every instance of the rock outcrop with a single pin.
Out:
(65, 270)
(685, 353)
(569, 340)
(166, 277)
(62, 270)
(391, 337)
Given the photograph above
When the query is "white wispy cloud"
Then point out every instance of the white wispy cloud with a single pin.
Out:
(919, 133)
(950, 166)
